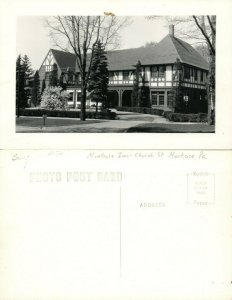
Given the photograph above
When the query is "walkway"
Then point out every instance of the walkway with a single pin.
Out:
(125, 122)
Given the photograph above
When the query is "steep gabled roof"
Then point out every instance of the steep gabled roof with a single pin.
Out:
(165, 52)
(64, 59)
(188, 54)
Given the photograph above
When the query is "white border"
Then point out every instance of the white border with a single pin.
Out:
(222, 139)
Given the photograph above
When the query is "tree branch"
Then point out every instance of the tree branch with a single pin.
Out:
(205, 35)
(211, 25)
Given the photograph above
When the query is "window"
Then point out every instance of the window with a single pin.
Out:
(195, 74)
(126, 75)
(170, 99)
(161, 98)
(70, 98)
(158, 71)
(154, 98)
(154, 72)
(161, 71)
(70, 76)
(79, 97)
(48, 68)
(185, 97)
(78, 78)
(157, 98)
(202, 76)
(186, 72)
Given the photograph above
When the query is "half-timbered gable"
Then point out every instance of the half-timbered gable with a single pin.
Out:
(63, 61)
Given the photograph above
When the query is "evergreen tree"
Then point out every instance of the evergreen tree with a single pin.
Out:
(35, 97)
(144, 96)
(99, 78)
(20, 85)
(43, 86)
(53, 79)
(135, 91)
(140, 96)
(28, 77)
(177, 90)
(26, 64)
(24, 81)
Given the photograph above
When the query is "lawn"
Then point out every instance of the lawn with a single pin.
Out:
(130, 125)
(173, 128)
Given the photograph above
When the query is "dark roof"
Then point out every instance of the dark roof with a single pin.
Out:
(189, 55)
(64, 59)
(165, 52)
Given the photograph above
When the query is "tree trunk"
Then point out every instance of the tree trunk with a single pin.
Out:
(97, 106)
(83, 103)
(209, 101)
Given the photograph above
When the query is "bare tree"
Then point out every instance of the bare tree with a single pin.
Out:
(80, 34)
(209, 34)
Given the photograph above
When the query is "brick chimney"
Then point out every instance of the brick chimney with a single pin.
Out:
(171, 30)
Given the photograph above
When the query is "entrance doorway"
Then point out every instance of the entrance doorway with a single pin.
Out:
(126, 98)
(112, 99)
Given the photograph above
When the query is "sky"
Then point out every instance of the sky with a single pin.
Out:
(33, 36)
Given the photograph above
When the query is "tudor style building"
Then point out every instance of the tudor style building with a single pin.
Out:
(157, 68)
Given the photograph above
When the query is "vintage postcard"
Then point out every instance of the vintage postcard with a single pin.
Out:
(157, 74)
(116, 150)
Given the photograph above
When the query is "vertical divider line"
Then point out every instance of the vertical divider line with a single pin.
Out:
(120, 231)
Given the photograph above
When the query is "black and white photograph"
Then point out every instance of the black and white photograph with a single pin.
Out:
(114, 216)
(115, 74)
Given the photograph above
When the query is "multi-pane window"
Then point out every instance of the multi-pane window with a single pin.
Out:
(125, 75)
(161, 98)
(170, 96)
(186, 72)
(157, 98)
(158, 71)
(154, 98)
(48, 68)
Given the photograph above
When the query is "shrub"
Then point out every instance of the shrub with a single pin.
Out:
(171, 116)
(54, 98)
(142, 110)
(108, 115)
(178, 117)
